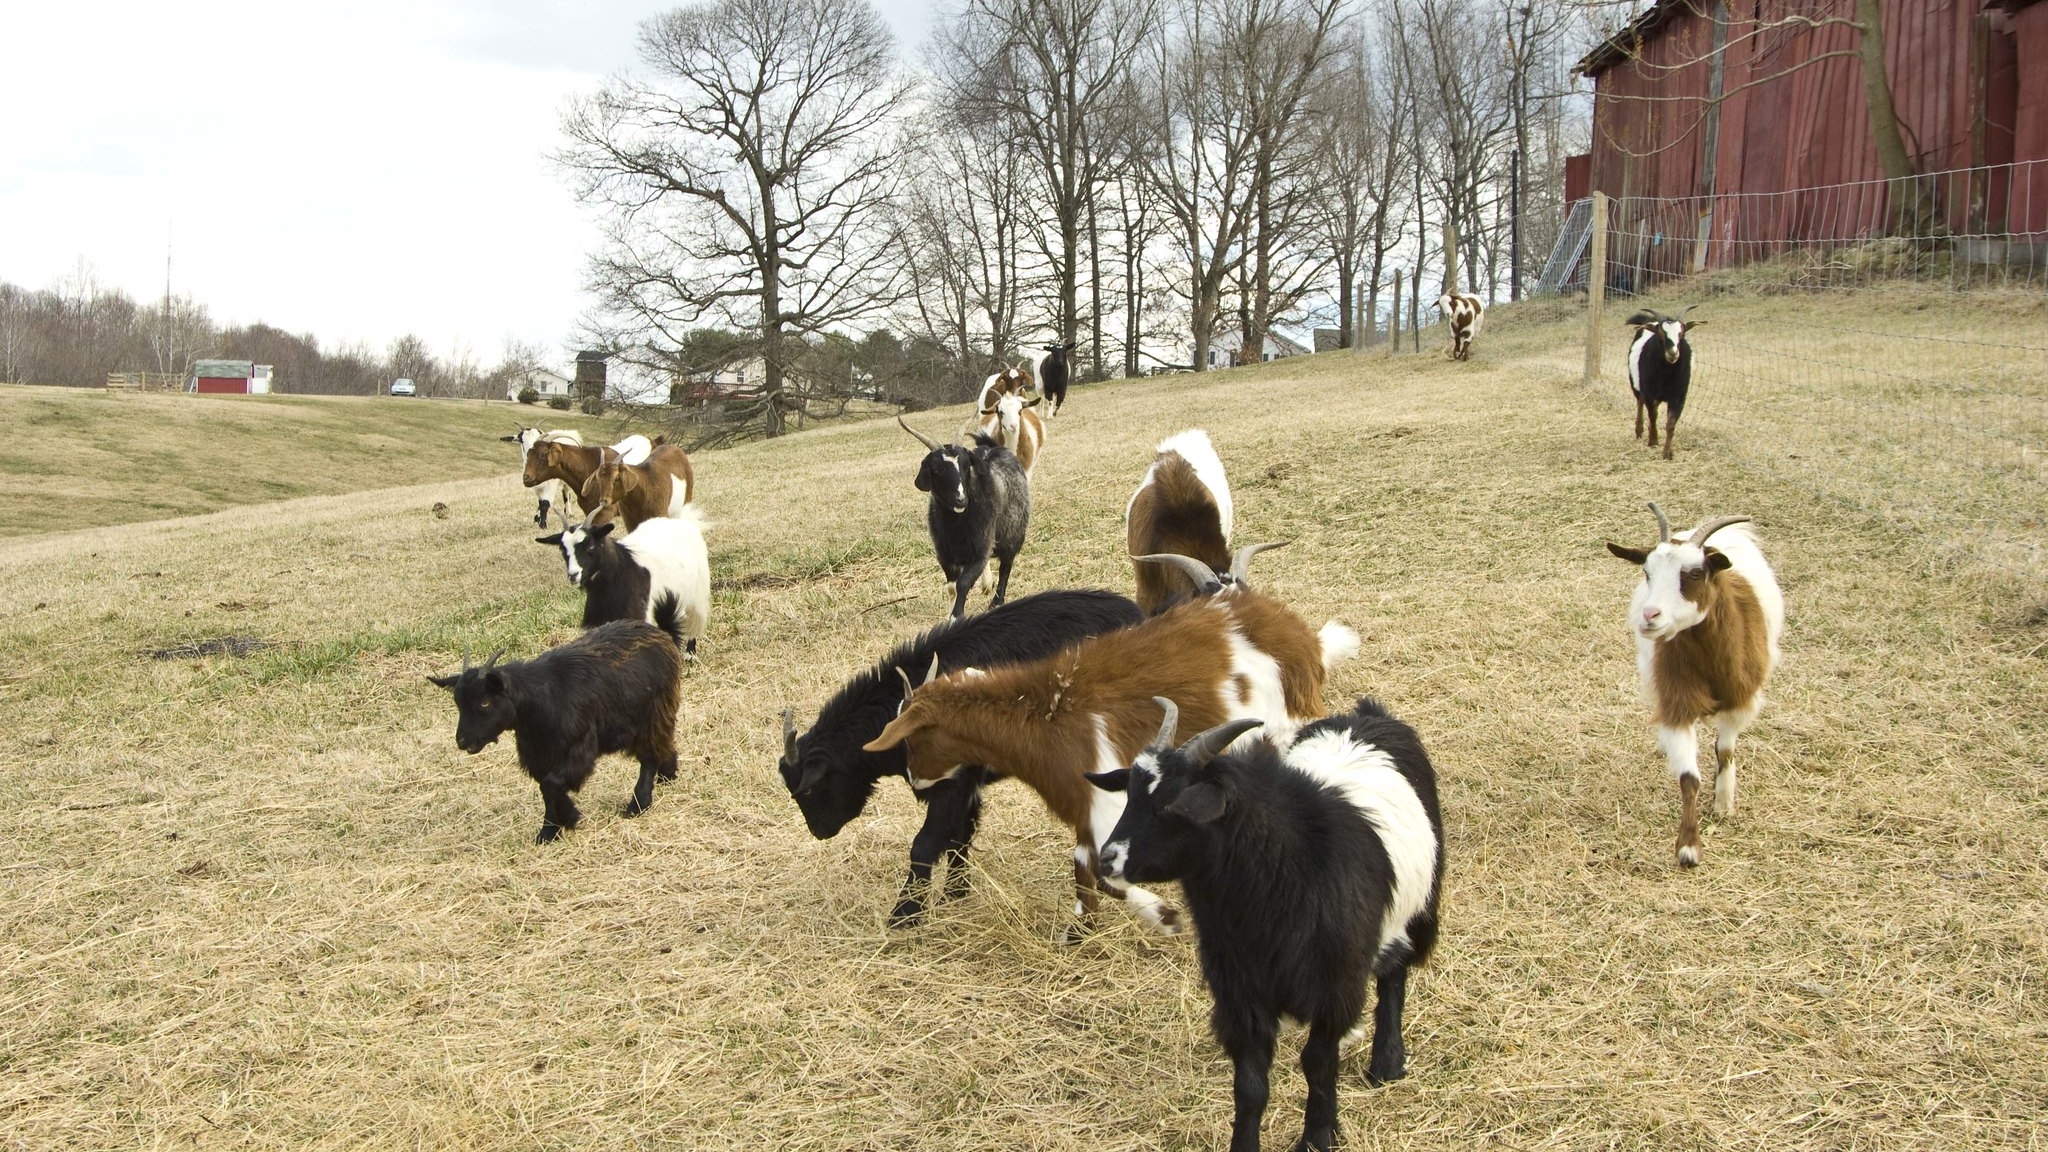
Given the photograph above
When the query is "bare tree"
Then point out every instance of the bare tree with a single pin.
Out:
(16, 328)
(744, 180)
(1363, 167)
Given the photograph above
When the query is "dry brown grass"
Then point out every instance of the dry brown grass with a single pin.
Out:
(267, 902)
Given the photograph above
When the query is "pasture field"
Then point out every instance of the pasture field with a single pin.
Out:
(264, 901)
(120, 457)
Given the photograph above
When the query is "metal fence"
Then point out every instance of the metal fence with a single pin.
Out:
(1883, 346)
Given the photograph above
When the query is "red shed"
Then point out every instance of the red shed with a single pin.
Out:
(1760, 120)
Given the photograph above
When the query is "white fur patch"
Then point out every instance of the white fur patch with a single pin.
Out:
(1145, 773)
(634, 449)
(1339, 644)
(1365, 775)
(1635, 360)
(671, 548)
(1267, 698)
(1112, 858)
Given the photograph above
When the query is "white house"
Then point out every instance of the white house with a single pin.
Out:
(1225, 345)
(544, 381)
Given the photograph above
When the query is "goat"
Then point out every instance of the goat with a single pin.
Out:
(1464, 313)
(1054, 370)
(1011, 422)
(660, 563)
(614, 688)
(1307, 872)
(1706, 622)
(980, 507)
(1013, 381)
(1660, 369)
(1235, 653)
(1182, 507)
(637, 493)
(831, 778)
(571, 462)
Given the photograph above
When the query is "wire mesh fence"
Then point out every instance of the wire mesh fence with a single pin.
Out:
(1886, 346)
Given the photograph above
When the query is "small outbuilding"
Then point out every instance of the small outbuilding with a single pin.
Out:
(230, 377)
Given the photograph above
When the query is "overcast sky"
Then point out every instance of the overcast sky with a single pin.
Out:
(356, 170)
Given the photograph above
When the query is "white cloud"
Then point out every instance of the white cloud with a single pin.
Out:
(356, 170)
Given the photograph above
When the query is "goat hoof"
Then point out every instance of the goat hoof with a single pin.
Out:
(1070, 935)
(548, 834)
(1688, 856)
(906, 913)
(634, 807)
(1386, 1072)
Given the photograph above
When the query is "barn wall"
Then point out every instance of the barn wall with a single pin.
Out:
(221, 384)
(1794, 117)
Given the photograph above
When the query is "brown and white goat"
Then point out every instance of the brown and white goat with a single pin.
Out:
(1008, 381)
(1463, 313)
(1706, 621)
(572, 462)
(1010, 421)
(662, 486)
(1182, 507)
(1235, 654)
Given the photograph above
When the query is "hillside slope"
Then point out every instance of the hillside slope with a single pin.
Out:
(265, 901)
(86, 458)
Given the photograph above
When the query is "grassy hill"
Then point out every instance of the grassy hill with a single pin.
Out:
(87, 458)
(264, 901)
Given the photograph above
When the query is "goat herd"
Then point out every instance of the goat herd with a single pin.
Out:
(1178, 733)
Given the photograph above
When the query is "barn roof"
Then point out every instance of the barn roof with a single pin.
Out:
(1629, 41)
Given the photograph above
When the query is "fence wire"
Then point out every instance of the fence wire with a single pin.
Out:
(1884, 346)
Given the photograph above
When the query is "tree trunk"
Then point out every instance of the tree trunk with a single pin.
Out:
(1906, 211)
(1094, 291)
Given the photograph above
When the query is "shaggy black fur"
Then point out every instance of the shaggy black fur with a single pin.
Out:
(1288, 883)
(980, 506)
(1053, 374)
(615, 688)
(832, 779)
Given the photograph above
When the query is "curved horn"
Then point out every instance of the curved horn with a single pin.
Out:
(1698, 539)
(908, 688)
(488, 664)
(1663, 525)
(1683, 311)
(1167, 725)
(928, 441)
(1203, 575)
(465, 656)
(1203, 748)
(932, 673)
(789, 733)
(1242, 561)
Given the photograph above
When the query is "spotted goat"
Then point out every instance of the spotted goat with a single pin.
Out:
(1707, 620)
(1464, 313)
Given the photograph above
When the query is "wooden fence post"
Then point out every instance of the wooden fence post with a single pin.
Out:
(1394, 324)
(1596, 287)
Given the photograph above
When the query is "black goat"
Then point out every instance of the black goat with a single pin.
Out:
(832, 779)
(1053, 373)
(1660, 369)
(615, 688)
(980, 507)
(1307, 873)
(629, 577)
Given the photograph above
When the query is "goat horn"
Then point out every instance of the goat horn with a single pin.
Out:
(908, 687)
(933, 673)
(1663, 525)
(488, 664)
(1684, 310)
(1242, 561)
(465, 657)
(928, 441)
(789, 733)
(1698, 539)
(1203, 575)
(1203, 748)
(1167, 725)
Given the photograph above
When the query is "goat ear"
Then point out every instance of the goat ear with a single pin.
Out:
(924, 481)
(1692, 324)
(1199, 803)
(554, 540)
(1115, 781)
(600, 531)
(1033, 403)
(494, 681)
(895, 734)
(1632, 555)
(447, 682)
(1717, 560)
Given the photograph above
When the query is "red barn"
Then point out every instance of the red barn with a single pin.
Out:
(1754, 114)
(229, 376)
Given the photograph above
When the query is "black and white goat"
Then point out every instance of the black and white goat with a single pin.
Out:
(1660, 369)
(1055, 369)
(832, 779)
(1464, 313)
(615, 688)
(1308, 873)
(980, 507)
(663, 561)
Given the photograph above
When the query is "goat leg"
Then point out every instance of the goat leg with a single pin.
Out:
(963, 839)
(560, 811)
(964, 583)
(643, 790)
(1251, 1056)
(1319, 1068)
(924, 852)
(1652, 406)
(1670, 428)
(1389, 1055)
(1002, 578)
(1688, 821)
(1087, 899)
(1639, 417)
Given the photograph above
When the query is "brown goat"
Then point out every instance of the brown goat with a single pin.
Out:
(1233, 654)
(570, 462)
(641, 492)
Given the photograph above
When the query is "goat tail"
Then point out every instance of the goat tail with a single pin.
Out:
(1339, 644)
(668, 617)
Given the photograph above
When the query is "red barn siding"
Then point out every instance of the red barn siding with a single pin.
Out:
(1794, 118)
(232, 384)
